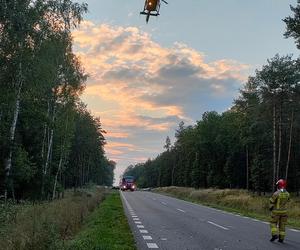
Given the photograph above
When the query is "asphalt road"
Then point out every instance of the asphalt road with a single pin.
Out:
(162, 222)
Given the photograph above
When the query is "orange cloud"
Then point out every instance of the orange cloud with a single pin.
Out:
(148, 84)
(112, 134)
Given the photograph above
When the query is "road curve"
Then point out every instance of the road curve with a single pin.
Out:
(162, 222)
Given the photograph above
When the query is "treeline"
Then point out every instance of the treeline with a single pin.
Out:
(49, 141)
(250, 146)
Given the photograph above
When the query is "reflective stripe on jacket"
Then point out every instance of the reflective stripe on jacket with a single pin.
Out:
(279, 200)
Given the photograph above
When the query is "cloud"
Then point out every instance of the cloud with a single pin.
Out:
(114, 134)
(143, 88)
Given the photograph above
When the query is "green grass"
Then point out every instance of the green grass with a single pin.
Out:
(106, 228)
(235, 201)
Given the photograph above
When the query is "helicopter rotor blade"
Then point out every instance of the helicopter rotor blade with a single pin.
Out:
(165, 2)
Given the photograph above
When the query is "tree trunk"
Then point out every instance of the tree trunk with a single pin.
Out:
(49, 151)
(12, 134)
(274, 147)
(279, 145)
(57, 172)
(87, 179)
(290, 146)
(173, 171)
(159, 177)
(247, 168)
(45, 133)
(83, 173)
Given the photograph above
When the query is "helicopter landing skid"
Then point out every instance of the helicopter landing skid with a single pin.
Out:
(151, 14)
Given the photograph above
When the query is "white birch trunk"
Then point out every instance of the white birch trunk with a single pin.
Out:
(279, 145)
(247, 168)
(49, 151)
(274, 147)
(61, 160)
(8, 161)
(290, 146)
(57, 173)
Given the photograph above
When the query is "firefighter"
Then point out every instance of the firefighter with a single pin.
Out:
(278, 208)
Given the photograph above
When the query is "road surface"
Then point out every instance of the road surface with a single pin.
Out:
(162, 222)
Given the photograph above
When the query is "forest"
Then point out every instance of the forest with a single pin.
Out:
(250, 146)
(49, 140)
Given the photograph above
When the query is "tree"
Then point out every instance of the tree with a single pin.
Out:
(41, 116)
(293, 24)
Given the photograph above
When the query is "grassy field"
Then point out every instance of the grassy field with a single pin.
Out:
(106, 229)
(47, 225)
(237, 201)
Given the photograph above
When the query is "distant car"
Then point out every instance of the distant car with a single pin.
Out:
(128, 183)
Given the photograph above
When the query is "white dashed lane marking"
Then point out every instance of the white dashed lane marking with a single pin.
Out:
(212, 223)
(147, 237)
(164, 203)
(143, 231)
(181, 210)
(152, 245)
(140, 226)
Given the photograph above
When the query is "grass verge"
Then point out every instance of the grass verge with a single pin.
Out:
(46, 225)
(106, 228)
(235, 201)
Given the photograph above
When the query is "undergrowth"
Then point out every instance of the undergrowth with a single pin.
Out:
(46, 225)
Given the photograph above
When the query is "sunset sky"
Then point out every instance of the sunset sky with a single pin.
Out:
(146, 78)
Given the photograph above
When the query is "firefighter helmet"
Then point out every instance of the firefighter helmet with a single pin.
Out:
(281, 184)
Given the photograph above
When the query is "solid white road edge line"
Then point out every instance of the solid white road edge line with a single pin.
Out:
(212, 223)
(149, 245)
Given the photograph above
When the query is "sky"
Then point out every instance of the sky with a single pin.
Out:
(146, 78)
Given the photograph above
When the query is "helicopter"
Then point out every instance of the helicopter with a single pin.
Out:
(151, 8)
